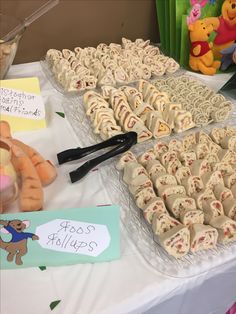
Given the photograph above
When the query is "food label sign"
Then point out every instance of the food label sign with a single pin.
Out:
(74, 237)
(60, 237)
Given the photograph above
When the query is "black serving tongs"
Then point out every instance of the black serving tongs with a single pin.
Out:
(123, 141)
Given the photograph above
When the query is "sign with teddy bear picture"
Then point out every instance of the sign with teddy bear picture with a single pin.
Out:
(54, 238)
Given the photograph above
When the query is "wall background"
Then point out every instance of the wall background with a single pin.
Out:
(82, 23)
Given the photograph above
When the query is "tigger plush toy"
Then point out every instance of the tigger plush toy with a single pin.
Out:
(23, 173)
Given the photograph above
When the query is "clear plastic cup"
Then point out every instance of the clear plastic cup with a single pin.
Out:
(8, 48)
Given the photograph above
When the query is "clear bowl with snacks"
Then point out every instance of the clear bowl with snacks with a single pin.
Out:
(8, 48)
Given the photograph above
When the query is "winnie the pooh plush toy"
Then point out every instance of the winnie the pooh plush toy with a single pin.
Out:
(201, 57)
(224, 26)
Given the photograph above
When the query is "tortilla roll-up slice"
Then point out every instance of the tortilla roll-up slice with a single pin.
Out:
(203, 138)
(212, 208)
(222, 193)
(150, 117)
(144, 196)
(160, 148)
(226, 228)
(192, 184)
(188, 141)
(214, 148)
(202, 237)
(104, 122)
(175, 145)
(160, 128)
(189, 217)
(181, 173)
(160, 101)
(101, 113)
(228, 142)
(163, 178)
(166, 190)
(167, 157)
(226, 155)
(230, 179)
(170, 106)
(143, 133)
(212, 158)
(143, 111)
(163, 222)
(155, 205)
(187, 158)
(217, 135)
(132, 170)
(173, 165)
(88, 95)
(95, 106)
(125, 158)
(223, 167)
(211, 179)
(204, 195)
(229, 206)
(183, 121)
(199, 167)
(138, 183)
(120, 111)
(176, 204)
(93, 99)
(153, 167)
(106, 90)
(201, 150)
(230, 131)
(146, 156)
(140, 85)
(176, 241)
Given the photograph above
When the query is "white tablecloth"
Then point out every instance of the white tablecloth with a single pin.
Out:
(128, 285)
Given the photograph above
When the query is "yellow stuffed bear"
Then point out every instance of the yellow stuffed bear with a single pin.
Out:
(201, 57)
(224, 26)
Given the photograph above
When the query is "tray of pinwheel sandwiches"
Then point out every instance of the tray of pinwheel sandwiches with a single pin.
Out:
(177, 195)
(177, 186)
(75, 72)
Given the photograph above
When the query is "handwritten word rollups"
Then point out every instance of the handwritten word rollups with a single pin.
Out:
(74, 237)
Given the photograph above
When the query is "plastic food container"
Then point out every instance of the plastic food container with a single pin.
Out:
(8, 48)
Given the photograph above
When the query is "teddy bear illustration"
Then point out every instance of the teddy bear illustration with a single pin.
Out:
(224, 26)
(201, 57)
(17, 247)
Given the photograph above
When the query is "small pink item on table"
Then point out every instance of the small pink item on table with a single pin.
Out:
(232, 310)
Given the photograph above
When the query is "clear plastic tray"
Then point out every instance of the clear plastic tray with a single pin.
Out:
(50, 76)
(142, 236)
(137, 228)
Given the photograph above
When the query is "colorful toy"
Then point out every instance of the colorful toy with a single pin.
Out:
(32, 171)
(225, 27)
(229, 57)
(195, 12)
(201, 57)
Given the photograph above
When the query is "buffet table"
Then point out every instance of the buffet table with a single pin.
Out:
(127, 285)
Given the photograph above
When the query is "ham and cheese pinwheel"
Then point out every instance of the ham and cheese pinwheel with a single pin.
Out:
(202, 237)
(226, 228)
(176, 241)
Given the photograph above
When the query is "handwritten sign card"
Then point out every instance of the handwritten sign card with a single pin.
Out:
(53, 238)
(21, 104)
(74, 237)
